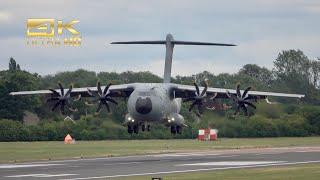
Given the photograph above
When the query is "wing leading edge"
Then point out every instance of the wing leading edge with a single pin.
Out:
(122, 90)
(184, 90)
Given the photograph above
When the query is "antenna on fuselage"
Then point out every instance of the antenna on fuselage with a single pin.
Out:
(170, 43)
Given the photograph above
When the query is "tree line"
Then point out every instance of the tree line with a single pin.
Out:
(293, 72)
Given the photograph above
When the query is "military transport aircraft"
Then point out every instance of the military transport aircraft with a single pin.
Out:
(157, 102)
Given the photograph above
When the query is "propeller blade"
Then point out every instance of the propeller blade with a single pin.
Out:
(106, 88)
(62, 105)
(238, 90)
(249, 98)
(214, 96)
(246, 92)
(243, 107)
(99, 88)
(52, 99)
(99, 107)
(69, 91)
(199, 98)
(228, 94)
(61, 88)
(197, 88)
(55, 105)
(192, 105)
(200, 108)
(198, 114)
(107, 106)
(205, 89)
(63, 99)
(111, 100)
(54, 92)
(250, 104)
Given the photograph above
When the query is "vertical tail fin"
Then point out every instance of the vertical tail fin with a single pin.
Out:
(168, 59)
(170, 42)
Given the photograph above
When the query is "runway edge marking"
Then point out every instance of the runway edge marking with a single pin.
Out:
(192, 170)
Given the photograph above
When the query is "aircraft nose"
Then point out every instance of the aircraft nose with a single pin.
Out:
(143, 105)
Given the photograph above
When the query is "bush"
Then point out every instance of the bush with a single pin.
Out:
(271, 111)
(294, 125)
(259, 126)
(11, 130)
(312, 115)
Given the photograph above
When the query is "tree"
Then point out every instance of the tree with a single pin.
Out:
(13, 107)
(292, 70)
(261, 74)
(315, 73)
(292, 62)
(13, 66)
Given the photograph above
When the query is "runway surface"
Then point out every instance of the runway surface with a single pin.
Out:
(155, 165)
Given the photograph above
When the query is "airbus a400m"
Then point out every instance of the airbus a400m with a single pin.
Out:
(150, 103)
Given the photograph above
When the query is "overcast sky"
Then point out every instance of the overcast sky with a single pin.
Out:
(261, 29)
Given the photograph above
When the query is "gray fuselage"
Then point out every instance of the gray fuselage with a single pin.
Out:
(151, 102)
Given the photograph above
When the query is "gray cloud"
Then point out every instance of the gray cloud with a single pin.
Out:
(260, 28)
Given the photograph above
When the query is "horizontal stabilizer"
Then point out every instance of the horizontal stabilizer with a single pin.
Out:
(174, 43)
(170, 43)
(140, 42)
(201, 43)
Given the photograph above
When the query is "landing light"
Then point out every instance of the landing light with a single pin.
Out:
(129, 118)
(172, 119)
(132, 120)
(169, 120)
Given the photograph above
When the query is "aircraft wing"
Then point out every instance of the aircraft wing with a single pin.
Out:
(122, 90)
(185, 91)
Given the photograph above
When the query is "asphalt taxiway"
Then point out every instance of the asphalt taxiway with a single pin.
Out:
(155, 165)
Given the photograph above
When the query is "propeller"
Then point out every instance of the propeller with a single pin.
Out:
(242, 100)
(199, 99)
(103, 97)
(61, 99)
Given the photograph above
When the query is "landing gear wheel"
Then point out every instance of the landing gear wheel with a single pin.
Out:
(179, 129)
(136, 129)
(148, 128)
(130, 129)
(143, 127)
(173, 130)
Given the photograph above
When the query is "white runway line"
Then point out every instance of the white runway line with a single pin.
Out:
(304, 151)
(226, 156)
(184, 154)
(40, 175)
(192, 170)
(269, 153)
(111, 164)
(12, 166)
(231, 163)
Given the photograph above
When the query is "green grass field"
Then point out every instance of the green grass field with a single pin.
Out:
(30, 151)
(294, 172)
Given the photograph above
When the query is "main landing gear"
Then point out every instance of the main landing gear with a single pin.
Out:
(176, 129)
(134, 128)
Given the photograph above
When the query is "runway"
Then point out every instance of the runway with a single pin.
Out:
(155, 165)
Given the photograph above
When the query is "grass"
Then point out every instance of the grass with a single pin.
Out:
(294, 172)
(50, 150)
